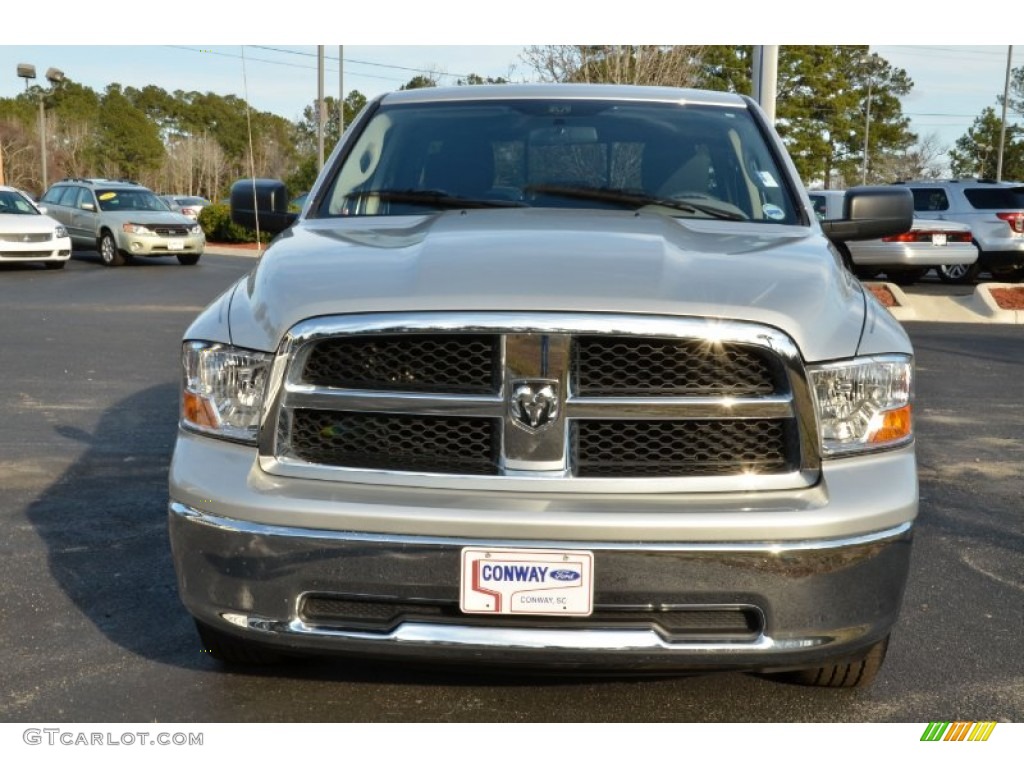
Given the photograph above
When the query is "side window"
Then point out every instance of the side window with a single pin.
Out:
(820, 206)
(926, 199)
(68, 196)
(52, 195)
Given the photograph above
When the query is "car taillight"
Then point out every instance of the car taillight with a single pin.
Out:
(906, 237)
(1014, 218)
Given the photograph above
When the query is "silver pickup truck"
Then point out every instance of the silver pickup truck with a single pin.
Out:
(551, 376)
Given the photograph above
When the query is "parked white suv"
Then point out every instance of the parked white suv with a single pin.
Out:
(551, 375)
(995, 213)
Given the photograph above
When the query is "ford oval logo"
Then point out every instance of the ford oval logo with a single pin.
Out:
(565, 574)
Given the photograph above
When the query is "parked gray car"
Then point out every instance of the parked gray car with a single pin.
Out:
(122, 219)
(561, 376)
(186, 205)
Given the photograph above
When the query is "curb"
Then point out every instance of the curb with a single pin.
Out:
(978, 307)
(987, 305)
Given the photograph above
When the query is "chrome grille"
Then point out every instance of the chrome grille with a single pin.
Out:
(26, 237)
(674, 404)
(170, 230)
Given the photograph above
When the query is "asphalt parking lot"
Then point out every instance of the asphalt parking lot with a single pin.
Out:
(92, 629)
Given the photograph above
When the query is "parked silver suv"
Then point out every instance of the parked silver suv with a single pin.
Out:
(993, 210)
(122, 219)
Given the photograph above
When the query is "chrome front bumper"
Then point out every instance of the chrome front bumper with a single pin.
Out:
(815, 599)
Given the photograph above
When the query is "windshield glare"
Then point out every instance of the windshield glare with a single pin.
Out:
(693, 160)
(129, 200)
(13, 202)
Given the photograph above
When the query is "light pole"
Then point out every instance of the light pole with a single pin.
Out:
(869, 62)
(54, 76)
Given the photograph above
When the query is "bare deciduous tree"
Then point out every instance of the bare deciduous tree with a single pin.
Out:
(673, 65)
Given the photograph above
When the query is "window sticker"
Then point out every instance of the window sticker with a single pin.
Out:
(773, 212)
(108, 195)
(767, 179)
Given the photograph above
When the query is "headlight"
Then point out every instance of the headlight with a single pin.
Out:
(59, 233)
(864, 404)
(136, 229)
(222, 389)
(196, 230)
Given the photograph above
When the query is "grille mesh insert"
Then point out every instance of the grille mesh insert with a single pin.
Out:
(400, 442)
(457, 364)
(625, 366)
(681, 448)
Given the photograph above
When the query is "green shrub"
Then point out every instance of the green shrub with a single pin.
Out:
(219, 228)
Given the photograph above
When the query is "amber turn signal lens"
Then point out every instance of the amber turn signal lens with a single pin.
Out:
(195, 410)
(895, 425)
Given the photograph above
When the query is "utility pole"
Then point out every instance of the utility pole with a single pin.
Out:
(320, 117)
(765, 77)
(341, 91)
(1002, 129)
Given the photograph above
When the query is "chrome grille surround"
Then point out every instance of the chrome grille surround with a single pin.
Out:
(538, 347)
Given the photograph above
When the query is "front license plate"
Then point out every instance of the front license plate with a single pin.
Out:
(175, 245)
(539, 582)
(938, 238)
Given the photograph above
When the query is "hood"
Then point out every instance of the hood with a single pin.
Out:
(554, 260)
(21, 223)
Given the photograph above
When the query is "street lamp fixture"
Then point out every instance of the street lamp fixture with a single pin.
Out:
(55, 77)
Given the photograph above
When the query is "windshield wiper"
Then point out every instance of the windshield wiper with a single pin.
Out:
(633, 197)
(438, 198)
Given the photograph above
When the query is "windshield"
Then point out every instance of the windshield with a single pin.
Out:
(129, 200)
(693, 161)
(16, 203)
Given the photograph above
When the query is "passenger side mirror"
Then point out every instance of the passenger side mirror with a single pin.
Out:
(872, 212)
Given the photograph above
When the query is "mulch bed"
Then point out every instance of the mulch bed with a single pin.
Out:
(1008, 298)
(884, 295)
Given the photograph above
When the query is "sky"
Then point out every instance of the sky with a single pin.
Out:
(276, 70)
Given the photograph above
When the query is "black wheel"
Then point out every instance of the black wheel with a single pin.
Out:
(54, 264)
(228, 649)
(958, 274)
(907, 276)
(109, 252)
(867, 273)
(843, 673)
(188, 259)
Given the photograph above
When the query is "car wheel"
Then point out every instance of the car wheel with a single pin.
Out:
(907, 276)
(54, 264)
(228, 649)
(188, 259)
(842, 673)
(109, 252)
(867, 273)
(960, 274)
